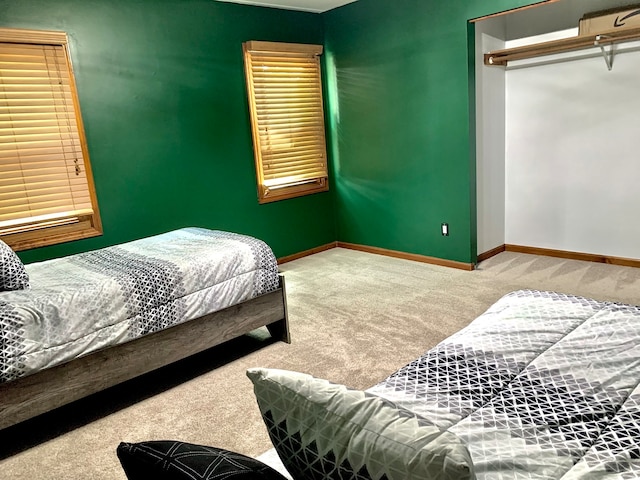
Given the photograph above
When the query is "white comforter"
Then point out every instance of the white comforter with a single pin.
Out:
(541, 386)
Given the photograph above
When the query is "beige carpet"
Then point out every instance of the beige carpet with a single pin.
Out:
(355, 318)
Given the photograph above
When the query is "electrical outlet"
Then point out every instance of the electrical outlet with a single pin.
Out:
(445, 229)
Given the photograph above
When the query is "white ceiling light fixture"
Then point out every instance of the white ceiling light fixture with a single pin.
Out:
(315, 6)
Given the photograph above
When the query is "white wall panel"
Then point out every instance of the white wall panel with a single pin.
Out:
(490, 134)
(573, 155)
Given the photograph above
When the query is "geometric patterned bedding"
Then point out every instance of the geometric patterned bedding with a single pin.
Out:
(85, 302)
(541, 386)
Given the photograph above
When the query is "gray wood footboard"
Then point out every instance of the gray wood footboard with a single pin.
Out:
(48, 389)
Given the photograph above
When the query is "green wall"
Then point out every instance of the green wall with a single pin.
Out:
(402, 142)
(162, 93)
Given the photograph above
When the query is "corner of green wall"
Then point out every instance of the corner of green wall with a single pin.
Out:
(162, 92)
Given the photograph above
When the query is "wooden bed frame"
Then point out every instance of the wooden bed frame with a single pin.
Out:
(48, 389)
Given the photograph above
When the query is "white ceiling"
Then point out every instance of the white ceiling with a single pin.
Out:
(316, 6)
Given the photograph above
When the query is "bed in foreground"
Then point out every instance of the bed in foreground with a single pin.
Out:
(92, 320)
(541, 386)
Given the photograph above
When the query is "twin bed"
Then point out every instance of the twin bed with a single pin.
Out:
(541, 386)
(92, 320)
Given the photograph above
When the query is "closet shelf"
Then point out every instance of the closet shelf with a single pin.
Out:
(608, 37)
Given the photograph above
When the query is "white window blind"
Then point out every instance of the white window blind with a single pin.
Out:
(45, 177)
(285, 97)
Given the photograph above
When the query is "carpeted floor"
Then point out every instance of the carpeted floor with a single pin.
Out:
(355, 318)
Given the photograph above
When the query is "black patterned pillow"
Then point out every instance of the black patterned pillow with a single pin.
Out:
(13, 276)
(324, 431)
(173, 460)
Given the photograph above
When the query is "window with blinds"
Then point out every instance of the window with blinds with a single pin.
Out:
(287, 118)
(46, 188)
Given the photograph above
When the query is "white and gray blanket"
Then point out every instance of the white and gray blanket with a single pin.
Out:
(85, 302)
(541, 386)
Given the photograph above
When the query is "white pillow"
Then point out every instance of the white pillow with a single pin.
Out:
(13, 275)
(323, 430)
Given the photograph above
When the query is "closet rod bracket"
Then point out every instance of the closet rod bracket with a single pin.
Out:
(608, 56)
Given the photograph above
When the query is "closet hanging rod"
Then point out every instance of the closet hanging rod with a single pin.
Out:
(502, 57)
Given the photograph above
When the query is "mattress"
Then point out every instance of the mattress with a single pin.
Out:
(541, 386)
(82, 303)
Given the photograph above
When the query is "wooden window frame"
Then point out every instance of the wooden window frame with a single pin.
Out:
(318, 165)
(27, 232)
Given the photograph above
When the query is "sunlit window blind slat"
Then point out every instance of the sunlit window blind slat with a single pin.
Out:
(285, 95)
(42, 169)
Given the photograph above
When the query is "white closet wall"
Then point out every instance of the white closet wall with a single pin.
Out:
(490, 134)
(572, 157)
